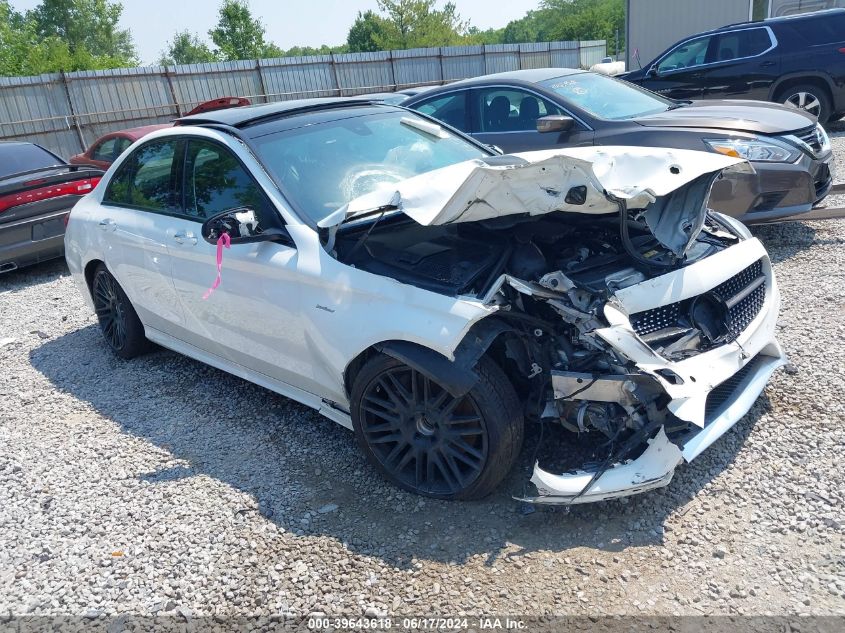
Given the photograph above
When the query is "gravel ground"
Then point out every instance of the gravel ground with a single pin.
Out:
(161, 485)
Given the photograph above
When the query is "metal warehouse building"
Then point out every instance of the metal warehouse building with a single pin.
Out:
(654, 25)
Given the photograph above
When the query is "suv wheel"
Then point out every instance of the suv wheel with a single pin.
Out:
(809, 98)
(119, 322)
(424, 440)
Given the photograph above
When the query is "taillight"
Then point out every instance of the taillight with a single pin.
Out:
(842, 50)
(72, 188)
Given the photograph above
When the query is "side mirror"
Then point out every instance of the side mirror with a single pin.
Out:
(652, 72)
(606, 60)
(242, 226)
(554, 123)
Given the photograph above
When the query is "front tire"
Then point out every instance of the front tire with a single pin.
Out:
(426, 441)
(810, 98)
(119, 322)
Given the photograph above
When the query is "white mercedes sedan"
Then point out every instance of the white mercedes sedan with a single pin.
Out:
(436, 297)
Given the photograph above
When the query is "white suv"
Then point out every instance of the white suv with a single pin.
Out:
(413, 285)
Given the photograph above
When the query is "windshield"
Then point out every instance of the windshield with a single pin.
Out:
(606, 98)
(325, 165)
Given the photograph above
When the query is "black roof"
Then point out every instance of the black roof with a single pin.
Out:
(250, 115)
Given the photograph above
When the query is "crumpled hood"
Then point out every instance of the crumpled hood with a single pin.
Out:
(538, 182)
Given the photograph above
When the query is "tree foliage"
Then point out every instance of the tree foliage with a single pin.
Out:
(570, 20)
(90, 25)
(63, 35)
(407, 24)
(85, 35)
(186, 48)
(239, 35)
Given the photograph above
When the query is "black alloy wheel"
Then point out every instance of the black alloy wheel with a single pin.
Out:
(119, 322)
(110, 311)
(430, 442)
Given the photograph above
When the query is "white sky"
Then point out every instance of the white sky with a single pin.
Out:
(288, 23)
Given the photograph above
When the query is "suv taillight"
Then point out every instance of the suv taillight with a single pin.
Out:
(72, 188)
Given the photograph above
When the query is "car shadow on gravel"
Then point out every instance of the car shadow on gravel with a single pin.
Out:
(33, 275)
(305, 473)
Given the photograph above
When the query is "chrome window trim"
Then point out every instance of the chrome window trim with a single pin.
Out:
(772, 38)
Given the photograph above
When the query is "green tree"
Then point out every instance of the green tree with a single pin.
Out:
(186, 48)
(418, 24)
(24, 50)
(366, 33)
(88, 27)
(238, 35)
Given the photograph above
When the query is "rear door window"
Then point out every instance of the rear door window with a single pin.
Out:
(150, 179)
(741, 44)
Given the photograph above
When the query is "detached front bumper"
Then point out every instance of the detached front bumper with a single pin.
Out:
(717, 387)
(776, 191)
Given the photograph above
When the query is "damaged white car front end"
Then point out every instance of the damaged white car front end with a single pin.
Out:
(636, 321)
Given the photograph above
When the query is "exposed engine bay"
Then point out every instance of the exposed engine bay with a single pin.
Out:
(627, 333)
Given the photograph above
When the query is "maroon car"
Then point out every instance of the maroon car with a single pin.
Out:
(105, 150)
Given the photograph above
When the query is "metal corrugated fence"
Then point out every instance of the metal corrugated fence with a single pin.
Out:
(67, 111)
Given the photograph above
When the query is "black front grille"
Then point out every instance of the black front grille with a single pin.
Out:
(743, 294)
(810, 137)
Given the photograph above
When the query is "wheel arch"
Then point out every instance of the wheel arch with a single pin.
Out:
(794, 79)
(458, 375)
(88, 272)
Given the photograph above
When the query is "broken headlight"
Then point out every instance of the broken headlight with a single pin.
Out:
(766, 151)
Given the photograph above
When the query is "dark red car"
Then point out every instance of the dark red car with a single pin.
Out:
(105, 150)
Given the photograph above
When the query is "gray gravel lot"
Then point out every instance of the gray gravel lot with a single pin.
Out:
(161, 485)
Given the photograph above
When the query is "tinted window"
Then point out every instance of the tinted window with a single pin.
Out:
(741, 44)
(215, 181)
(511, 110)
(105, 150)
(18, 157)
(688, 54)
(150, 178)
(826, 30)
(451, 109)
(120, 186)
(323, 166)
(605, 97)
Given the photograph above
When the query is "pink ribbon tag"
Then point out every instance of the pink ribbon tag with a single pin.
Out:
(224, 241)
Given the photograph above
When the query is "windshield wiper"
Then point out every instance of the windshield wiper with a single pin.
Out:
(381, 211)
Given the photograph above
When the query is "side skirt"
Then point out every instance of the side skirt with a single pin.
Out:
(328, 409)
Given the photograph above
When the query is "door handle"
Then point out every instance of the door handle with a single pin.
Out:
(108, 223)
(182, 237)
(768, 64)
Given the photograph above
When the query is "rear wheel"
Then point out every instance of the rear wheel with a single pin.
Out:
(423, 439)
(119, 322)
(810, 98)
